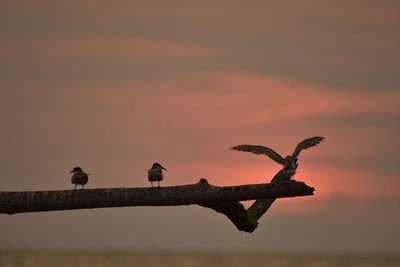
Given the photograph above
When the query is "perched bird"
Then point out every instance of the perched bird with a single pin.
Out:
(289, 161)
(155, 173)
(79, 177)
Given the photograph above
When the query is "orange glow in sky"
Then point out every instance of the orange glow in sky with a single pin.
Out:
(117, 86)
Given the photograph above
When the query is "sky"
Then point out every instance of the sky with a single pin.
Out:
(113, 86)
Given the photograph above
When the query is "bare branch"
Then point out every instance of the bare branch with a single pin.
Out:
(260, 206)
(202, 193)
(246, 220)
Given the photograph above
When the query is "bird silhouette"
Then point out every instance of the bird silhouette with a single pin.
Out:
(79, 177)
(288, 161)
(155, 173)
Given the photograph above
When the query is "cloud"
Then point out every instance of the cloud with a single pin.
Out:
(100, 50)
(322, 43)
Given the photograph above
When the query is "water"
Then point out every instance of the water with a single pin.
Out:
(176, 259)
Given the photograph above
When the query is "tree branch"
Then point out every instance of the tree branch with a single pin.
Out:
(260, 206)
(202, 193)
(246, 220)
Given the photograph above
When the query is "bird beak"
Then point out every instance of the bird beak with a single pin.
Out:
(163, 168)
(71, 171)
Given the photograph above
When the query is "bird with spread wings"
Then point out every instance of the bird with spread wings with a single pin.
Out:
(289, 160)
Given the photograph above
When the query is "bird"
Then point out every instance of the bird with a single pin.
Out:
(79, 177)
(155, 173)
(288, 161)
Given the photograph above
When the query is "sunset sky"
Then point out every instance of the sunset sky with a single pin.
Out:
(113, 86)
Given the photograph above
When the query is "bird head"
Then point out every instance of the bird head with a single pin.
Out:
(291, 162)
(158, 165)
(288, 158)
(76, 169)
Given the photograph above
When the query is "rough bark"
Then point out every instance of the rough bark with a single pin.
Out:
(201, 193)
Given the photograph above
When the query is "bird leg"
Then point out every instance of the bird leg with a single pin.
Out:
(158, 183)
(75, 187)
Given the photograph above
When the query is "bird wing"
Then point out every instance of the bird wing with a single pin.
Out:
(79, 178)
(155, 175)
(260, 150)
(307, 143)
